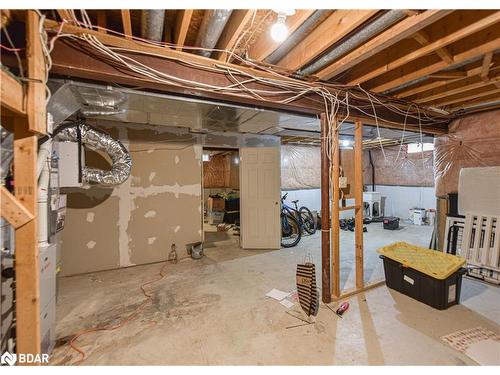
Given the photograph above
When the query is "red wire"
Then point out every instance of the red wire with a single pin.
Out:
(11, 49)
(119, 325)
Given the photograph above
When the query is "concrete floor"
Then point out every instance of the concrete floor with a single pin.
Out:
(214, 312)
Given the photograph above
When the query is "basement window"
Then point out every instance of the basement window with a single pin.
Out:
(413, 148)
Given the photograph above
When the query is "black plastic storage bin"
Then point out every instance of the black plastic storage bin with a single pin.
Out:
(439, 294)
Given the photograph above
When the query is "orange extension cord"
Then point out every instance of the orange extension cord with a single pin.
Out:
(119, 325)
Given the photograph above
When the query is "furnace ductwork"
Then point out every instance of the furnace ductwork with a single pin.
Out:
(98, 140)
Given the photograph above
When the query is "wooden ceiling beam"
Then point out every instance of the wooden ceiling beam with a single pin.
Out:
(436, 67)
(182, 22)
(450, 74)
(127, 24)
(80, 61)
(469, 106)
(64, 14)
(432, 47)
(396, 33)
(326, 34)
(485, 68)
(101, 21)
(407, 92)
(265, 45)
(422, 38)
(449, 92)
(237, 22)
(467, 97)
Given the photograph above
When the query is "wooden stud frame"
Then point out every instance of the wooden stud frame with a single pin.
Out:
(25, 106)
(330, 244)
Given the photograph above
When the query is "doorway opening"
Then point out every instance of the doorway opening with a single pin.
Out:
(221, 197)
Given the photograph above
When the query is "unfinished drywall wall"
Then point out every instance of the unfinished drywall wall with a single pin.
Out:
(137, 221)
(394, 166)
(472, 141)
(160, 204)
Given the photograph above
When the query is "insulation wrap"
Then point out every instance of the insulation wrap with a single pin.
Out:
(472, 141)
(100, 141)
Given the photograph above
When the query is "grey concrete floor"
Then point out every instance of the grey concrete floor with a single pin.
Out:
(214, 312)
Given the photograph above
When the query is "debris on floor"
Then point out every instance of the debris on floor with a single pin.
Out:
(479, 344)
(278, 295)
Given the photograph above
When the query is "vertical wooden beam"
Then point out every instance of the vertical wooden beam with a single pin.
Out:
(335, 243)
(127, 24)
(37, 117)
(101, 21)
(485, 69)
(325, 214)
(26, 254)
(181, 26)
(237, 22)
(442, 210)
(358, 202)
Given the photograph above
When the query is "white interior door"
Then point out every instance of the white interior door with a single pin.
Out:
(260, 189)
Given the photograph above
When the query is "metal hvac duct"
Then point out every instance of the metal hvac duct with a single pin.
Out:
(152, 24)
(101, 141)
(211, 28)
(296, 36)
(355, 40)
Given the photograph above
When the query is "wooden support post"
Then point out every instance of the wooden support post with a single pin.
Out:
(335, 244)
(325, 214)
(37, 117)
(358, 201)
(26, 255)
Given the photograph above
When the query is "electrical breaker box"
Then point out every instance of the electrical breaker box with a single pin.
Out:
(69, 167)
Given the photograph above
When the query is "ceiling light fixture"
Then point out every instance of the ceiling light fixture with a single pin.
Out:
(279, 30)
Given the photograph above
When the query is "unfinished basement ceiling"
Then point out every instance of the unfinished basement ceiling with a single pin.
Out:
(132, 106)
(442, 59)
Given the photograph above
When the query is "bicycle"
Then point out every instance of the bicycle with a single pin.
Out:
(295, 222)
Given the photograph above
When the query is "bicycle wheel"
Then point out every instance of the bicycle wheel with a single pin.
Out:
(290, 231)
(308, 220)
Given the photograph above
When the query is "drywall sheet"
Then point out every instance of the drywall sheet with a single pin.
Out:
(138, 221)
(394, 166)
(479, 191)
(472, 141)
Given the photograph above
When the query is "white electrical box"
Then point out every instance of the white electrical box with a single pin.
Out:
(69, 168)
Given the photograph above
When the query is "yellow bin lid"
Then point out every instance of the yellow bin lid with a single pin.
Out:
(431, 262)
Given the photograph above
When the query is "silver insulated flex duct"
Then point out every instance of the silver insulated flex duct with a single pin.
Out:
(152, 24)
(211, 28)
(101, 141)
(375, 27)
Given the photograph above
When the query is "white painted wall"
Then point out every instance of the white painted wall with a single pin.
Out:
(398, 199)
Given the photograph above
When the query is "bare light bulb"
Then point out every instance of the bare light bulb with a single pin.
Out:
(279, 31)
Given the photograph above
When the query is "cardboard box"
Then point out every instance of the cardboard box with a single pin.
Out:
(215, 204)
